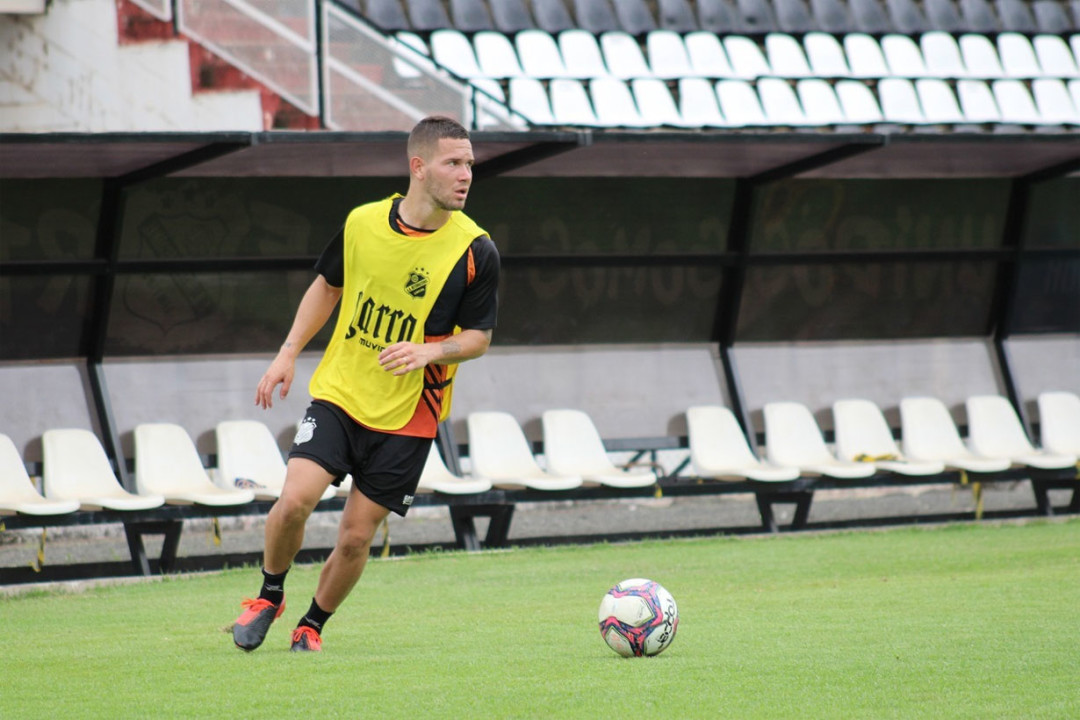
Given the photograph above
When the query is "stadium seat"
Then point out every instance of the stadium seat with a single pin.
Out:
(1017, 16)
(780, 104)
(76, 468)
(707, 56)
(656, 105)
(903, 57)
(869, 16)
(570, 103)
(470, 15)
(453, 51)
(980, 57)
(595, 16)
(1053, 102)
(719, 449)
(427, 15)
(739, 104)
(623, 56)
(757, 16)
(413, 56)
(864, 56)
(614, 104)
(490, 105)
(1054, 57)
(167, 464)
(1050, 17)
(858, 102)
(979, 16)
(581, 54)
(511, 16)
(539, 55)
(942, 56)
(1059, 422)
(720, 17)
(1074, 91)
(572, 447)
(928, 433)
(677, 16)
(747, 60)
(862, 433)
(938, 102)
(793, 439)
(907, 18)
(495, 56)
(249, 457)
(900, 102)
(437, 478)
(499, 452)
(1015, 103)
(826, 56)
(698, 103)
(552, 16)
(17, 492)
(977, 102)
(1018, 56)
(793, 16)
(996, 432)
(944, 16)
(831, 16)
(634, 16)
(387, 14)
(668, 58)
(785, 56)
(819, 102)
(528, 97)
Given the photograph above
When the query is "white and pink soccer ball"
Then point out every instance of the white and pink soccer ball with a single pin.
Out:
(638, 617)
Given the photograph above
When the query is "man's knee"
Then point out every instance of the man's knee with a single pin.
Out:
(356, 540)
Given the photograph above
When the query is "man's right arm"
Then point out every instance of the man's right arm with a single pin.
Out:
(315, 309)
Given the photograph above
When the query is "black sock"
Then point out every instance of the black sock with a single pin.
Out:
(316, 617)
(273, 587)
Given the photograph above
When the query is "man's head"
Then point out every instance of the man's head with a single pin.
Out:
(440, 161)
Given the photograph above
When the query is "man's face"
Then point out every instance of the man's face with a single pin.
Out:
(448, 174)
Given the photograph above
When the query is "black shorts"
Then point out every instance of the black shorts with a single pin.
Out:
(385, 468)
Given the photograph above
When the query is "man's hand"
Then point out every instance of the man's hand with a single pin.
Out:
(404, 357)
(280, 371)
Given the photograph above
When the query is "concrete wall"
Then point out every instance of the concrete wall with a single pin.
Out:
(1042, 364)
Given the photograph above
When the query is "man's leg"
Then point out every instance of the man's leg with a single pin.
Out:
(305, 482)
(359, 523)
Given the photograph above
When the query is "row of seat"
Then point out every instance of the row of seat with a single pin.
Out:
(774, 102)
(169, 470)
(671, 56)
(726, 16)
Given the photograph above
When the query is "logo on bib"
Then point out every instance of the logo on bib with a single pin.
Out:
(417, 283)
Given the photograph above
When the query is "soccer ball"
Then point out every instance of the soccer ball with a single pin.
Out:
(638, 617)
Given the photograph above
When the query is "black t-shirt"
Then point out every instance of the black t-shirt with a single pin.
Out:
(468, 305)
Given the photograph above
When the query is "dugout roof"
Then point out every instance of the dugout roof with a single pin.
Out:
(544, 154)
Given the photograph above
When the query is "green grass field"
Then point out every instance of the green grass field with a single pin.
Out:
(971, 621)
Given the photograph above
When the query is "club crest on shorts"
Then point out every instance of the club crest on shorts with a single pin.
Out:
(417, 283)
(305, 430)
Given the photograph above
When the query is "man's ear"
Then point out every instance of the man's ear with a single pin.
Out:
(416, 167)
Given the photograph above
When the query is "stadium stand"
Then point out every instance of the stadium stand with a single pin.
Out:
(511, 16)
(634, 16)
(596, 16)
(471, 15)
(552, 16)
(677, 16)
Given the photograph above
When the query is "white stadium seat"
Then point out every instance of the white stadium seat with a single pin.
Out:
(786, 57)
(859, 103)
(570, 103)
(977, 102)
(938, 102)
(739, 104)
(980, 57)
(900, 102)
(1015, 103)
(614, 103)
(539, 55)
(747, 60)
(903, 57)
(928, 433)
(1054, 57)
(1059, 422)
(819, 102)
(581, 54)
(1054, 103)
(249, 458)
(453, 51)
(528, 97)
(719, 449)
(437, 478)
(496, 56)
(1018, 56)
(168, 464)
(668, 58)
(780, 103)
(573, 447)
(707, 56)
(864, 56)
(76, 468)
(826, 56)
(942, 55)
(792, 438)
(698, 104)
(623, 56)
(17, 492)
(499, 452)
(996, 432)
(861, 432)
(656, 105)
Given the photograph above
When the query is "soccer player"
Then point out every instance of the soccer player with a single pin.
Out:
(417, 281)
